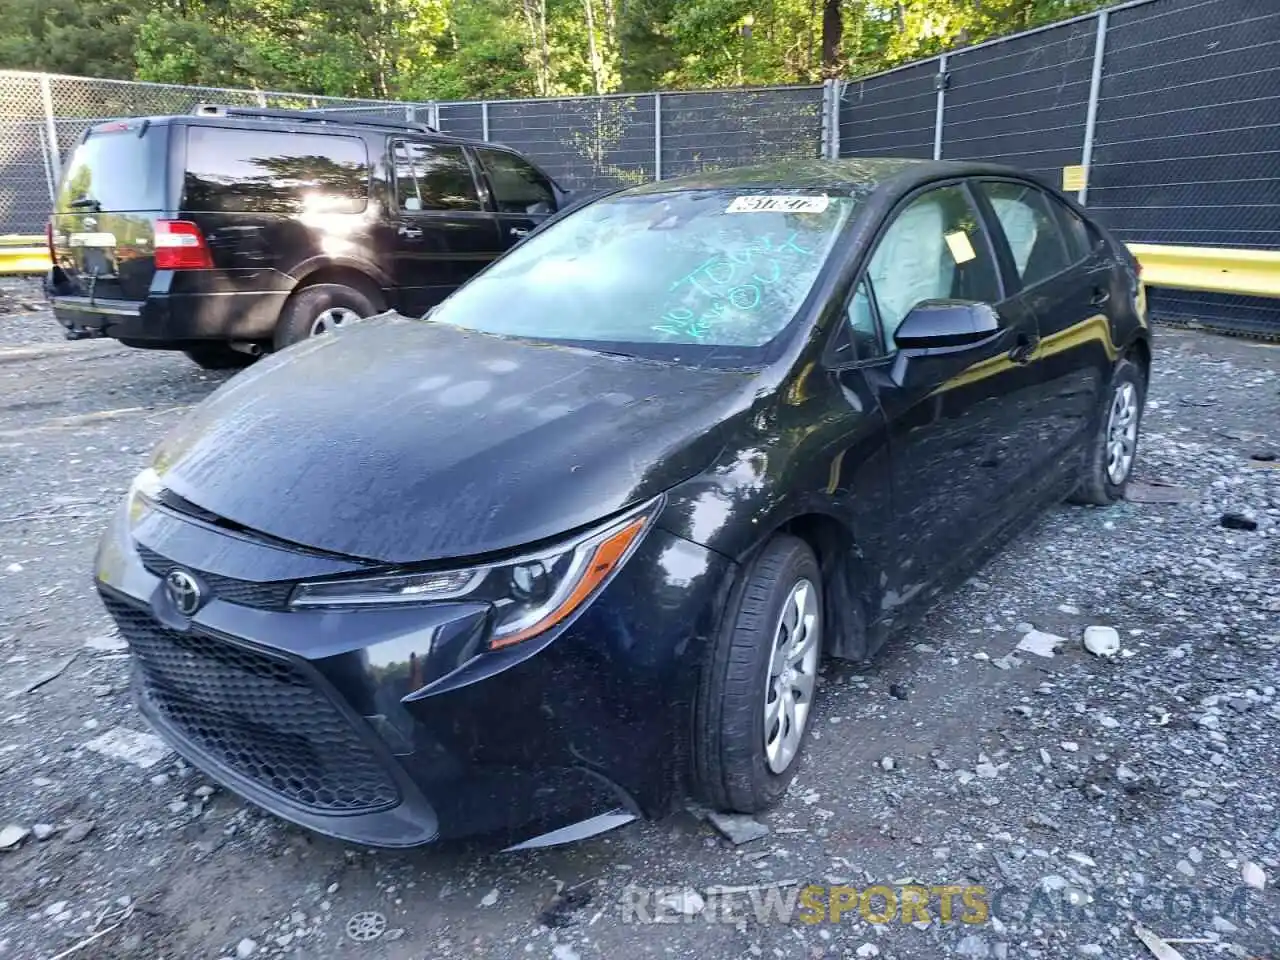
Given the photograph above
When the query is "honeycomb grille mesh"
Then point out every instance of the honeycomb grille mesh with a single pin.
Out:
(259, 715)
(246, 593)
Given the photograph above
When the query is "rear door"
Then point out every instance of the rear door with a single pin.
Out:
(522, 195)
(444, 236)
(114, 189)
(1066, 284)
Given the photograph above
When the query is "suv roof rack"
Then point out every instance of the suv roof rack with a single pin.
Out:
(310, 116)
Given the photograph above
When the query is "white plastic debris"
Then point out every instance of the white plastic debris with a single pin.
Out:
(12, 835)
(1159, 949)
(143, 750)
(1253, 875)
(1102, 641)
(108, 643)
(1040, 643)
(490, 898)
(686, 902)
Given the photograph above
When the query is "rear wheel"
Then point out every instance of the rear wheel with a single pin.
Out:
(758, 687)
(217, 356)
(316, 310)
(1111, 454)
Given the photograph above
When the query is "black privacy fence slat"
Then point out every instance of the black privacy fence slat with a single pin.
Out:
(1171, 108)
(1024, 101)
(891, 115)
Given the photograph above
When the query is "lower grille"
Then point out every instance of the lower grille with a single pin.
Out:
(258, 714)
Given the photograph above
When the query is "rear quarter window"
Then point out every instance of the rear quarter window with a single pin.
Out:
(266, 171)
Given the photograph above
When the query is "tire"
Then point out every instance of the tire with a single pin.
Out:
(217, 356)
(311, 305)
(1104, 477)
(732, 766)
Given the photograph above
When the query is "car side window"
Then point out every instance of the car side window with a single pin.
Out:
(1081, 238)
(1031, 230)
(517, 185)
(433, 176)
(934, 249)
(859, 339)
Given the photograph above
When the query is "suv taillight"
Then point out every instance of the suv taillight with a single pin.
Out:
(180, 246)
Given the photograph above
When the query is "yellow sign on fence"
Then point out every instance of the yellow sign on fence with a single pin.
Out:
(1074, 178)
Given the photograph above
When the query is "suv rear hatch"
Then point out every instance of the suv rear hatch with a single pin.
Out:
(102, 233)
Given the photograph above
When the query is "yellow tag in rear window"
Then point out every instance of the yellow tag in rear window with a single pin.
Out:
(960, 247)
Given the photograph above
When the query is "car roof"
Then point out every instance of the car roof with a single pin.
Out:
(849, 175)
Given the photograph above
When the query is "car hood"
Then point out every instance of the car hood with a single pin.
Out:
(401, 440)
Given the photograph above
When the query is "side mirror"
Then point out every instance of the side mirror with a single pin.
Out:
(943, 326)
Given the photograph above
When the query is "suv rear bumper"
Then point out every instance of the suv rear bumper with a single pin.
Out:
(171, 320)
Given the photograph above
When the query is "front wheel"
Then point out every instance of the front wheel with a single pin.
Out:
(1113, 449)
(758, 686)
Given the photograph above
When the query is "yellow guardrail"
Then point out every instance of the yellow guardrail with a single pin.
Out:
(21, 255)
(1254, 273)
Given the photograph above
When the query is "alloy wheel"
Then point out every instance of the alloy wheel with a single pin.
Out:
(331, 319)
(1122, 432)
(793, 672)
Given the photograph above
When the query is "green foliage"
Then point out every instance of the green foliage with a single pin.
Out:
(457, 49)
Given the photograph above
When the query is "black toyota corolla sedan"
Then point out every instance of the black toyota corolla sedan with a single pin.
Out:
(573, 545)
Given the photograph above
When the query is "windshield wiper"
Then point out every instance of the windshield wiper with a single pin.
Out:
(85, 203)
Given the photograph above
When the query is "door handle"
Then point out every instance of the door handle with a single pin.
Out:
(1023, 351)
(410, 233)
(1100, 296)
(519, 232)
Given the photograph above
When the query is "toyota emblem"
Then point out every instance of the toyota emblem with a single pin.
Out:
(184, 590)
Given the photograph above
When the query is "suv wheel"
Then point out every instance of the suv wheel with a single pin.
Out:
(320, 309)
(217, 356)
(758, 686)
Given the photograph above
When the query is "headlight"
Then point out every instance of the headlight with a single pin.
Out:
(529, 594)
(143, 491)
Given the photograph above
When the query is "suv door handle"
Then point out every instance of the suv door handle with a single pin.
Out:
(410, 233)
(1100, 296)
(519, 232)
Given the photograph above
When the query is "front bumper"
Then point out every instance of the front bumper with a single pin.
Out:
(393, 727)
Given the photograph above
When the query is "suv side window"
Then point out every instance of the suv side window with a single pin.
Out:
(934, 249)
(433, 176)
(1034, 237)
(517, 186)
(232, 170)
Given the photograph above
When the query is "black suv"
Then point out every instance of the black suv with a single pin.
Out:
(236, 230)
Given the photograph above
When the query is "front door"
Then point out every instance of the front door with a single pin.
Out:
(522, 196)
(443, 234)
(957, 430)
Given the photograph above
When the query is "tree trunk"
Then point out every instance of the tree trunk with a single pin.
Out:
(535, 15)
(832, 33)
(593, 52)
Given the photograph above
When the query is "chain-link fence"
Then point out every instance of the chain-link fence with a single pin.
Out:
(1168, 111)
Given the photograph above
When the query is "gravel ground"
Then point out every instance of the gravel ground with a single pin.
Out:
(1079, 793)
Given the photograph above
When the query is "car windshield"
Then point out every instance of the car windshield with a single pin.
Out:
(699, 270)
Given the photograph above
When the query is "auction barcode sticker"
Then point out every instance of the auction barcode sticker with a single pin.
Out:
(765, 203)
